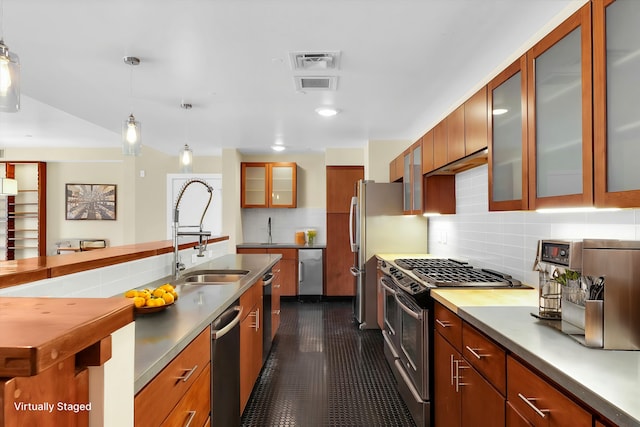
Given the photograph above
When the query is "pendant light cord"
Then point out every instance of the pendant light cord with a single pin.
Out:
(1, 20)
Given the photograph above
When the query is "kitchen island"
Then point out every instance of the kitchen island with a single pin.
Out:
(161, 336)
(607, 381)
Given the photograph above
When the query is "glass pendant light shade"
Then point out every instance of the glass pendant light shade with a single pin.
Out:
(9, 80)
(8, 187)
(131, 137)
(186, 160)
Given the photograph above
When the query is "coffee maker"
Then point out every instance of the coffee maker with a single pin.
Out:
(558, 263)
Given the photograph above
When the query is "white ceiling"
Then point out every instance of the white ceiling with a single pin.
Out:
(404, 63)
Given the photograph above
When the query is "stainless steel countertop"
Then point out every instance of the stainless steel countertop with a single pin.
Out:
(159, 337)
(606, 380)
(279, 245)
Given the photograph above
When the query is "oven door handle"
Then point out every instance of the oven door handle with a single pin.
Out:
(386, 287)
(417, 316)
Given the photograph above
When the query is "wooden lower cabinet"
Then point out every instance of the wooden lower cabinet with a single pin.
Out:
(447, 403)
(194, 408)
(515, 418)
(288, 267)
(539, 402)
(339, 257)
(276, 291)
(462, 396)
(482, 405)
(58, 383)
(250, 341)
(170, 390)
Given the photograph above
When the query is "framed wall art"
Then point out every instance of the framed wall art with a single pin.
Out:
(90, 201)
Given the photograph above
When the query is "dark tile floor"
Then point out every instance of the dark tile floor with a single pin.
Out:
(324, 371)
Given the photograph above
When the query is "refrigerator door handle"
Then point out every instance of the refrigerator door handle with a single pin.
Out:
(300, 272)
(352, 236)
(355, 271)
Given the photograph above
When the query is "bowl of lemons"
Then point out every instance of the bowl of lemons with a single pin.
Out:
(152, 300)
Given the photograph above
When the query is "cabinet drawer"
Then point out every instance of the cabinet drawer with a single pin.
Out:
(449, 325)
(159, 397)
(486, 356)
(540, 402)
(193, 409)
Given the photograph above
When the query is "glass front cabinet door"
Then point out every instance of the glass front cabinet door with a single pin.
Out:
(268, 185)
(616, 38)
(560, 116)
(507, 101)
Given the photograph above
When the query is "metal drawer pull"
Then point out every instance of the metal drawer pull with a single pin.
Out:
(444, 324)
(188, 374)
(453, 374)
(473, 351)
(192, 415)
(458, 376)
(526, 400)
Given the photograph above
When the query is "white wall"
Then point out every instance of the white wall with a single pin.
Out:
(507, 241)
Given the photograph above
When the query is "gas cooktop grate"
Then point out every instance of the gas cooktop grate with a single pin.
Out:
(461, 277)
(411, 263)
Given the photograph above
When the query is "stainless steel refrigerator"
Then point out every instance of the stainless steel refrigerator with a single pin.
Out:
(377, 225)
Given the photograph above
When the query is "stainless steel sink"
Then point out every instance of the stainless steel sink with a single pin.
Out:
(214, 277)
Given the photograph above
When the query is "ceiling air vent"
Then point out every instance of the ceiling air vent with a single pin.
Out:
(316, 83)
(312, 61)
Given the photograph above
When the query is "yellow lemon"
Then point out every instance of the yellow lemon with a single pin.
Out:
(151, 302)
(159, 302)
(138, 302)
(131, 294)
(167, 287)
(144, 294)
(168, 298)
(158, 292)
(175, 295)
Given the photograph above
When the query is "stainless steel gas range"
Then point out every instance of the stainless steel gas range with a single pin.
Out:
(407, 331)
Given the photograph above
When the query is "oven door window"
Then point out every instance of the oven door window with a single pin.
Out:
(411, 336)
(390, 310)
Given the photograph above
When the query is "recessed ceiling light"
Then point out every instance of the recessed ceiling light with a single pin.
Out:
(278, 147)
(326, 111)
(499, 111)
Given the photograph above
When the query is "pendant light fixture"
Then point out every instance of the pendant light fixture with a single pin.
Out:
(9, 74)
(131, 128)
(186, 155)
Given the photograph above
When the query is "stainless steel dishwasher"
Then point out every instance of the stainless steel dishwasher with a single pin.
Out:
(310, 272)
(225, 368)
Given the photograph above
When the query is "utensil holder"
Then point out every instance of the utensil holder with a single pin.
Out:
(594, 323)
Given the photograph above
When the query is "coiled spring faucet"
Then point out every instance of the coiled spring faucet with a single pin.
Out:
(202, 242)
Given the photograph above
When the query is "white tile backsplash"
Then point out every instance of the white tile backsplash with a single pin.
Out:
(507, 241)
(284, 224)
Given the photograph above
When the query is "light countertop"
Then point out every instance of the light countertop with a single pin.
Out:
(606, 380)
(161, 336)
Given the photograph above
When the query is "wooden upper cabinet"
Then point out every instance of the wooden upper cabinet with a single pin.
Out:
(440, 141)
(412, 179)
(559, 72)
(268, 185)
(475, 122)
(508, 171)
(427, 152)
(455, 130)
(395, 169)
(616, 38)
(341, 182)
